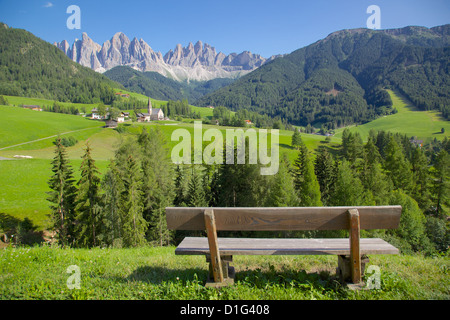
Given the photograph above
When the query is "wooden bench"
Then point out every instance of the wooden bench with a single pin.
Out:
(219, 251)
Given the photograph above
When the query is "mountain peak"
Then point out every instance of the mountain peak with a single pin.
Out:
(196, 62)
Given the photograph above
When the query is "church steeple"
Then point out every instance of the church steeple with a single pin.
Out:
(149, 107)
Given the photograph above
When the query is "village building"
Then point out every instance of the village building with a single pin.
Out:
(96, 115)
(111, 124)
(32, 107)
(416, 142)
(151, 115)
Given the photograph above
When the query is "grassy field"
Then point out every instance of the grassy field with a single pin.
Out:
(24, 182)
(20, 125)
(157, 274)
(426, 125)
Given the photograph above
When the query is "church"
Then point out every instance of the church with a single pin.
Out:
(151, 115)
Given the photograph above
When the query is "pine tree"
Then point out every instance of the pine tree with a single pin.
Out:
(296, 139)
(239, 185)
(372, 176)
(196, 195)
(441, 187)
(179, 200)
(157, 183)
(112, 186)
(131, 207)
(325, 170)
(348, 190)
(282, 191)
(62, 195)
(397, 166)
(421, 179)
(305, 179)
(88, 208)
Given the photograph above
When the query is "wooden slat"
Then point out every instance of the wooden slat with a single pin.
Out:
(288, 218)
(258, 246)
(213, 245)
(355, 254)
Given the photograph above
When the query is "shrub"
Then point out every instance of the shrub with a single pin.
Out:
(69, 141)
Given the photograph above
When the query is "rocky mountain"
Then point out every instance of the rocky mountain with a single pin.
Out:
(194, 62)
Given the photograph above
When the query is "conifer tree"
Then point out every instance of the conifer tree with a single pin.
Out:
(282, 191)
(88, 207)
(421, 178)
(296, 139)
(305, 179)
(196, 195)
(179, 200)
(131, 206)
(397, 166)
(325, 170)
(372, 176)
(348, 189)
(239, 184)
(62, 195)
(112, 186)
(157, 183)
(441, 187)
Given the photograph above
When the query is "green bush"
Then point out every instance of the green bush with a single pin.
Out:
(69, 141)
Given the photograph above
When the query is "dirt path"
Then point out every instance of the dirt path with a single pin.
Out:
(20, 144)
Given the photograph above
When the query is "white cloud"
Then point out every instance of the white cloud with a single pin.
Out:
(48, 5)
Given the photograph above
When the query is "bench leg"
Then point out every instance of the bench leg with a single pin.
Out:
(344, 269)
(227, 270)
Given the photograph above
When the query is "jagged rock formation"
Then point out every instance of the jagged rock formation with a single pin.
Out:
(194, 62)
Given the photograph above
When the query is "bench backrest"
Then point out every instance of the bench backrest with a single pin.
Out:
(283, 218)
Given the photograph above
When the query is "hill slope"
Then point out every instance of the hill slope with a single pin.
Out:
(32, 67)
(155, 85)
(341, 79)
(409, 120)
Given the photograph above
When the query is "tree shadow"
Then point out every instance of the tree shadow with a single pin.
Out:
(19, 232)
(255, 277)
(158, 275)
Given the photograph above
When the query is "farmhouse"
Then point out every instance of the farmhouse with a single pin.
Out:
(33, 107)
(111, 124)
(416, 142)
(96, 115)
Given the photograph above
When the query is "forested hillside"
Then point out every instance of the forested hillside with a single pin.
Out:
(154, 85)
(340, 80)
(32, 67)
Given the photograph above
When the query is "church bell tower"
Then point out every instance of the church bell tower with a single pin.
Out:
(149, 107)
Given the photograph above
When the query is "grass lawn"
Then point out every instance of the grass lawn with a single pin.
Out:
(157, 274)
(24, 182)
(20, 125)
(24, 186)
(426, 125)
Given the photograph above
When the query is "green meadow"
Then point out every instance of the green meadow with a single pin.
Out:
(24, 181)
(156, 273)
(425, 125)
(22, 125)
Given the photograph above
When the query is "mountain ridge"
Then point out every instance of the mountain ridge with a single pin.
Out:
(199, 62)
(339, 80)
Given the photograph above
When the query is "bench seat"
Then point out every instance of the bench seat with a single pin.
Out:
(258, 246)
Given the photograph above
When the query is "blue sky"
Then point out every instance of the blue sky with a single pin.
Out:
(264, 27)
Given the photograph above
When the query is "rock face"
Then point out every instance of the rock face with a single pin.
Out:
(194, 62)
